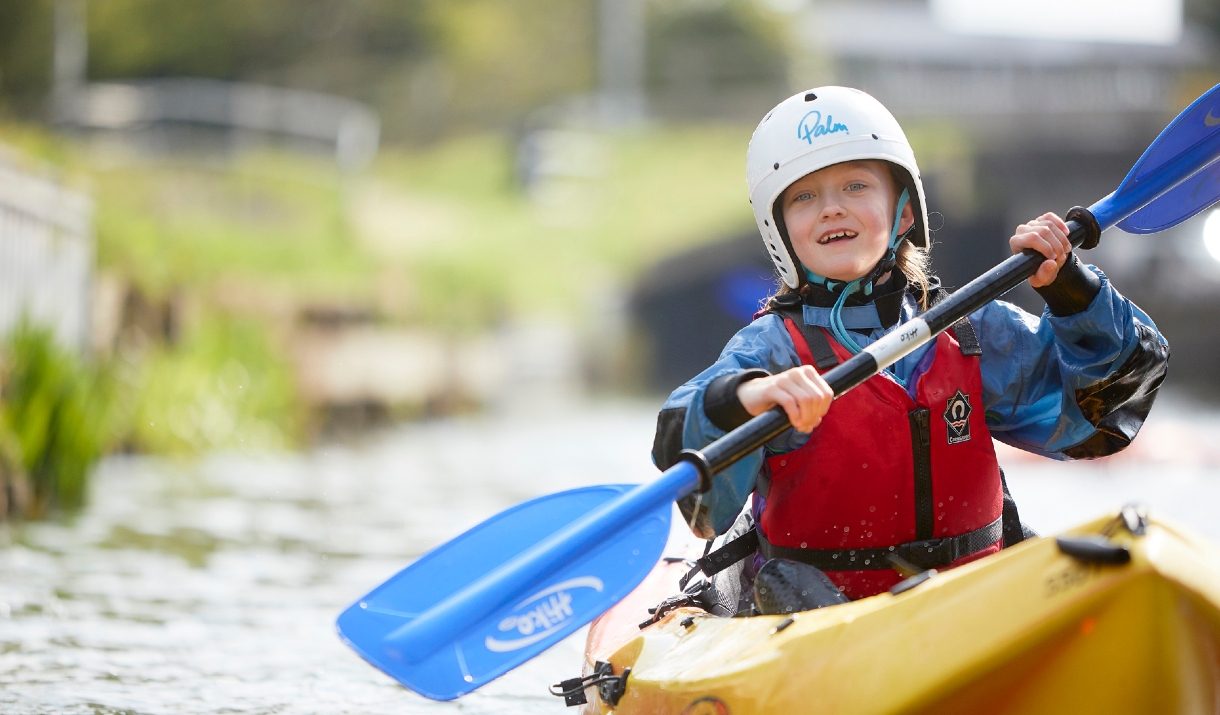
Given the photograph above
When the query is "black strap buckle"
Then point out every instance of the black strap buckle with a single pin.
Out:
(610, 687)
(929, 553)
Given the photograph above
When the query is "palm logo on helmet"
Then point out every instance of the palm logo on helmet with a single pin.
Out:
(811, 126)
(810, 131)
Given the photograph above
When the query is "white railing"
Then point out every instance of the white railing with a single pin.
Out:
(352, 128)
(46, 257)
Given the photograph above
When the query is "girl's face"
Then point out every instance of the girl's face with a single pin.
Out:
(839, 218)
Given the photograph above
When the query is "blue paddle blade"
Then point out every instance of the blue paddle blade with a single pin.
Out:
(568, 599)
(1178, 204)
(1190, 142)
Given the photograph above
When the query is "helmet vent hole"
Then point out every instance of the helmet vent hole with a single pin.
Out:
(766, 222)
(776, 165)
(876, 137)
(810, 96)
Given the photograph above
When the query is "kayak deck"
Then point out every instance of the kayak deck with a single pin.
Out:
(1027, 630)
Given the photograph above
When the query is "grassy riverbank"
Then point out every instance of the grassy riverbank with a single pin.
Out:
(218, 260)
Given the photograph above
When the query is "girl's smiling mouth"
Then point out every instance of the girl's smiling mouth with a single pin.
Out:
(838, 235)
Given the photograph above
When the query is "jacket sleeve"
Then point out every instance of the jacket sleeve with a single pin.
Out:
(705, 409)
(1070, 386)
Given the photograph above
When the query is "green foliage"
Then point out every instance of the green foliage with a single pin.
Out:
(505, 252)
(704, 47)
(235, 39)
(496, 60)
(267, 217)
(224, 386)
(464, 247)
(429, 66)
(58, 409)
(444, 237)
(26, 42)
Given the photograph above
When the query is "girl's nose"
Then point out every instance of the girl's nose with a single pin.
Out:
(832, 209)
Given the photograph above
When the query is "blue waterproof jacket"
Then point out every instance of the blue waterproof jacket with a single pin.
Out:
(1075, 383)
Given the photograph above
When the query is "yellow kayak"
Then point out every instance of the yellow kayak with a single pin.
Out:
(1028, 630)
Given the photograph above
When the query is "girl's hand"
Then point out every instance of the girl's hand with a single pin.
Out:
(1047, 235)
(801, 391)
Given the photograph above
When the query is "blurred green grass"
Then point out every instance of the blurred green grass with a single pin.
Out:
(505, 251)
(443, 237)
(466, 232)
(223, 386)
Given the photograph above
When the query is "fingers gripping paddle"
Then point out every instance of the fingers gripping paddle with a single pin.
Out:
(494, 597)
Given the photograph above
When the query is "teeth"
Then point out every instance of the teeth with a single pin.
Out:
(837, 234)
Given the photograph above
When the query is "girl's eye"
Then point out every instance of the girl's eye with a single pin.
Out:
(805, 196)
(855, 186)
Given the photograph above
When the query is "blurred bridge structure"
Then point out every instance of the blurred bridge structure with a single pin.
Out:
(186, 113)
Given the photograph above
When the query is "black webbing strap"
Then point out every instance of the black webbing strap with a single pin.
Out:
(819, 346)
(699, 563)
(824, 357)
(963, 330)
(730, 553)
(967, 339)
(926, 554)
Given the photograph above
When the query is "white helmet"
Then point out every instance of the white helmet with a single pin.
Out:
(812, 130)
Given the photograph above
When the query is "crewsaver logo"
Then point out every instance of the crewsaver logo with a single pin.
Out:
(957, 418)
(541, 614)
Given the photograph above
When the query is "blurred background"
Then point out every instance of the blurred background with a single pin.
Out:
(287, 266)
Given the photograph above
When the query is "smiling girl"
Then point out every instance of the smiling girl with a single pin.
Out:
(899, 473)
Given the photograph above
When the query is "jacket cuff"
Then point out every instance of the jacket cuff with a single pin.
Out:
(1072, 291)
(720, 402)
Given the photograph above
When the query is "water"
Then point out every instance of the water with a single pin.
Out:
(212, 587)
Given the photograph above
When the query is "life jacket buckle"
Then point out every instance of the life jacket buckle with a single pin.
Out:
(929, 553)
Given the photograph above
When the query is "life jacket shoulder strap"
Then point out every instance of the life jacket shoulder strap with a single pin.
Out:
(967, 339)
(812, 345)
(963, 330)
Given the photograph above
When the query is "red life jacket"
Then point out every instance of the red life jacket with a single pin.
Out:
(884, 473)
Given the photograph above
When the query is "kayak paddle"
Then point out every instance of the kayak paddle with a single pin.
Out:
(476, 607)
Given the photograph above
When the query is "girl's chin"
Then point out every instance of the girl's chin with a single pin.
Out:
(841, 267)
(844, 273)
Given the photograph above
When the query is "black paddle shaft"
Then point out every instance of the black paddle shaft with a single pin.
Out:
(1083, 230)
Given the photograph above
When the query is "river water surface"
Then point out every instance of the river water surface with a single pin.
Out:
(212, 586)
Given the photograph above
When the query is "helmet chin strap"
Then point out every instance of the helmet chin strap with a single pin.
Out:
(862, 284)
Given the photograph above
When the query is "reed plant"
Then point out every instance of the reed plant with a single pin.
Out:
(54, 422)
